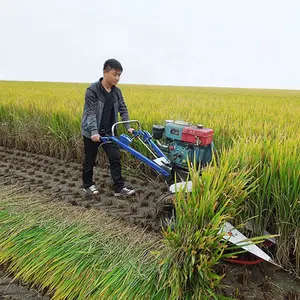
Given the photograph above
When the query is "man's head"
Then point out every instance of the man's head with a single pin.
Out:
(112, 71)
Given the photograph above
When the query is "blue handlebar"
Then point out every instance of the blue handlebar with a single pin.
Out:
(124, 142)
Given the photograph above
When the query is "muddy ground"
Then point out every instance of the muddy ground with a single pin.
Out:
(62, 180)
(257, 282)
(11, 289)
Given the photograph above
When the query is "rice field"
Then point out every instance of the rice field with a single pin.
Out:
(257, 141)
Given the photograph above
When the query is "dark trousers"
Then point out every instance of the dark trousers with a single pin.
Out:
(113, 154)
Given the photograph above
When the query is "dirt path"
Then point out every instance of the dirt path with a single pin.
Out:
(62, 180)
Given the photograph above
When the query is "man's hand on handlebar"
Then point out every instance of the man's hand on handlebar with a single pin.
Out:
(131, 130)
(95, 138)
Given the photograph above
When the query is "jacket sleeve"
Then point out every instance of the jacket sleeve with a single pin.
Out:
(91, 111)
(123, 109)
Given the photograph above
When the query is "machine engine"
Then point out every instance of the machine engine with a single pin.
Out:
(180, 140)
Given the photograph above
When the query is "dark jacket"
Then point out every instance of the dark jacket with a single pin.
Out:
(93, 108)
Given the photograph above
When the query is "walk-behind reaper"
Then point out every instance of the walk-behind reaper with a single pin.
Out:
(173, 146)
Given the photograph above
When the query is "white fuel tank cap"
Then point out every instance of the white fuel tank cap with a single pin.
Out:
(183, 123)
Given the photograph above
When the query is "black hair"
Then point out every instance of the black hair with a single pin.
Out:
(112, 64)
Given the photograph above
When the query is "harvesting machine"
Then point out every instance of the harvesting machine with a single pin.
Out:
(173, 145)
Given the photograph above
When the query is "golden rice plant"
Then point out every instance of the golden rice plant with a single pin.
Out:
(194, 242)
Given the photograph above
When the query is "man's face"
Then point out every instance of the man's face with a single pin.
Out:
(112, 76)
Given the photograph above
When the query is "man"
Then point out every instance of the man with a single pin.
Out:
(103, 102)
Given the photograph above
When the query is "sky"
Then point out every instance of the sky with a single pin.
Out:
(234, 43)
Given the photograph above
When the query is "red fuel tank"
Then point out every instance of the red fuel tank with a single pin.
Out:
(194, 135)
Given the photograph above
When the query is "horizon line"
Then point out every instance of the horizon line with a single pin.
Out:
(156, 85)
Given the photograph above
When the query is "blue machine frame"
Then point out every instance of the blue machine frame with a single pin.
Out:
(124, 142)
